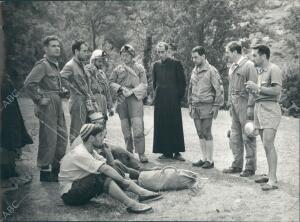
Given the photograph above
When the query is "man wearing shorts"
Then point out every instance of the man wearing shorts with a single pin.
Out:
(267, 113)
(205, 98)
(85, 174)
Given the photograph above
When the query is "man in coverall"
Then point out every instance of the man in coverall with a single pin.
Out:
(241, 104)
(43, 85)
(99, 82)
(82, 103)
(130, 82)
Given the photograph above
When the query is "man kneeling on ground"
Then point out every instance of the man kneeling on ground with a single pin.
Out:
(84, 174)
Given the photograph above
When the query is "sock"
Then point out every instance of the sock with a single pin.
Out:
(210, 150)
(203, 149)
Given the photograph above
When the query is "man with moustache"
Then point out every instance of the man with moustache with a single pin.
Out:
(43, 85)
(82, 103)
(169, 88)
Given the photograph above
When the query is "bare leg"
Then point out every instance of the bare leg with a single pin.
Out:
(116, 192)
(133, 187)
(268, 141)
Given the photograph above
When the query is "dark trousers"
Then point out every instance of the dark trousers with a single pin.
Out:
(85, 189)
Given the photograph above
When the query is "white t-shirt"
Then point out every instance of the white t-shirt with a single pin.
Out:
(77, 164)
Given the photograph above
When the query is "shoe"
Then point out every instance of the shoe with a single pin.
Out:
(140, 208)
(178, 157)
(143, 158)
(208, 165)
(262, 180)
(154, 196)
(198, 163)
(232, 170)
(164, 157)
(247, 173)
(267, 187)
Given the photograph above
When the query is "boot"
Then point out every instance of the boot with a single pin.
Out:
(143, 158)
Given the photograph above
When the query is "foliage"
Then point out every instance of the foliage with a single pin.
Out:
(290, 100)
(185, 24)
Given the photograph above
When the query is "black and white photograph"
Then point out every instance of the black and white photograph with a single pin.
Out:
(158, 110)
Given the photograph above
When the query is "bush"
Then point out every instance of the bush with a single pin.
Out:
(290, 99)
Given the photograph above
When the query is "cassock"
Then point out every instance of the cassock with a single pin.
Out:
(169, 88)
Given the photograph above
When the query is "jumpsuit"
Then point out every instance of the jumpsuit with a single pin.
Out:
(130, 109)
(44, 81)
(239, 100)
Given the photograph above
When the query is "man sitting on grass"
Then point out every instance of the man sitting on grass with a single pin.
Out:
(115, 155)
(84, 174)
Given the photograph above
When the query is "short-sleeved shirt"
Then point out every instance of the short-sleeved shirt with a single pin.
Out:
(77, 164)
(268, 77)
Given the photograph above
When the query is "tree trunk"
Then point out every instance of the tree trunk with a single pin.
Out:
(93, 34)
(147, 61)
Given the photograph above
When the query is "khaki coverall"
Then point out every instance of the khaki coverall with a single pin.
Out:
(239, 100)
(130, 109)
(44, 81)
(100, 88)
(77, 80)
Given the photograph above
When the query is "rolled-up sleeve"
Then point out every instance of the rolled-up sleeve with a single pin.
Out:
(276, 76)
(88, 163)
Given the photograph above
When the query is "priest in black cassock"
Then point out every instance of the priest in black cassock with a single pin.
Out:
(169, 88)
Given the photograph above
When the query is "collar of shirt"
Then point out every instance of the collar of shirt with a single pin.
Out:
(202, 68)
(52, 61)
(235, 65)
(166, 60)
(240, 60)
(78, 62)
(263, 69)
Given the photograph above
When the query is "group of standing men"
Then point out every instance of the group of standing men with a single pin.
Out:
(91, 92)
(253, 95)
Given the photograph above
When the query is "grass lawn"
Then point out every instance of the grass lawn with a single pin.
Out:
(219, 197)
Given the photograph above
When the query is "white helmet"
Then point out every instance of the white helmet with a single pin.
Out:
(98, 53)
(249, 128)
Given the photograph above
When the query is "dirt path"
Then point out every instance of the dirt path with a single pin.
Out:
(219, 197)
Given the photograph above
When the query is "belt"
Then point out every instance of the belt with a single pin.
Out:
(239, 93)
(50, 92)
(166, 86)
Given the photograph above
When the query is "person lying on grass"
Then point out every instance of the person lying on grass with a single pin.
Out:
(85, 174)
